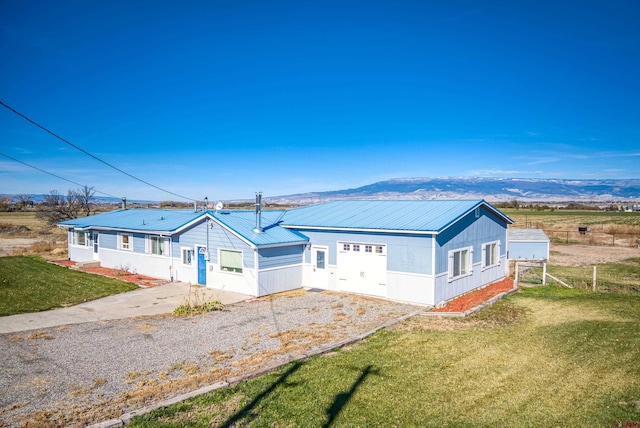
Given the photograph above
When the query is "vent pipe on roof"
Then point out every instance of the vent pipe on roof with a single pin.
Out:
(195, 206)
(124, 203)
(206, 203)
(258, 228)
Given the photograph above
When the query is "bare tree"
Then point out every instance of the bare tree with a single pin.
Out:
(23, 201)
(5, 203)
(56, 208)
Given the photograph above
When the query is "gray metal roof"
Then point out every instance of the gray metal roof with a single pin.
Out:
(423, 215)
(526, 235)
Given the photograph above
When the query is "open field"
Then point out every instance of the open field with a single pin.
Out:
(23, 233)
(544, 356)
(603, 227)
(31, 284)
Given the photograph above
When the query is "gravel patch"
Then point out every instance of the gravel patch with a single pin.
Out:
(86, 373)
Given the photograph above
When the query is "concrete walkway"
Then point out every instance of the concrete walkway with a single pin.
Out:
(145, 301)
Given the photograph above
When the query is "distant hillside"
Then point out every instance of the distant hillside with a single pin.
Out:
(491, 189)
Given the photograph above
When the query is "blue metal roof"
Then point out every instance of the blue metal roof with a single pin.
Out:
(431, 216)
(170, 222)
(422, 215)
(143, 220)
(244, 222)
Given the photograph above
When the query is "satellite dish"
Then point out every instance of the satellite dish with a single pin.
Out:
(219, 206)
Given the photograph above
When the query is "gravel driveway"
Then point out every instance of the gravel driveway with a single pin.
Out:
(86, 373)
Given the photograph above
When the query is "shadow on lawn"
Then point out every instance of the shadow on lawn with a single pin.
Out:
(246, 412)
(343, 398)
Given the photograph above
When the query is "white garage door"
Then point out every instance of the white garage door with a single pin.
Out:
(362, 268)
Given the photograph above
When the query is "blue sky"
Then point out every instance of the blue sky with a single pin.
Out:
(225, 98)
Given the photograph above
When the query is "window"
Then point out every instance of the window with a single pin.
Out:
(125, 242)
(158, 246)
(460, 262)
(356, 247)
(368, 248)
(490, 253)
(231, 261)
(346, 247)
(80, 239)
(379, 249)
(187, 256)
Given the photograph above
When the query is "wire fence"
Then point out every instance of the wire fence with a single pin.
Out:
(595, 278)
(586, 237)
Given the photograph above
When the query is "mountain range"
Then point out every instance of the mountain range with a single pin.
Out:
(491, 189)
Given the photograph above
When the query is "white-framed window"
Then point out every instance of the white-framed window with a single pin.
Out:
(368, 248)
(490, 254)
(356, 247)
(125, 241)
(187, 256)
(230, 261)
(346, 247)
(80, 238)
(460, 262)
(157, 245)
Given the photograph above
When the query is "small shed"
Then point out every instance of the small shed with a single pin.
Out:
(528, 244)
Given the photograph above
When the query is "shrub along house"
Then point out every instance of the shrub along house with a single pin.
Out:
(413, 251)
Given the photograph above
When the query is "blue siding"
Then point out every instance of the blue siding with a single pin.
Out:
(218, 237)
(405, 253)
(280, 256)
(139, 245)
(109, 240)
(196, 235)
(470, 232)
(528, 250)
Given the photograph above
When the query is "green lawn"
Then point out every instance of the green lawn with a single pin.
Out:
(31, 284)
(544, 356)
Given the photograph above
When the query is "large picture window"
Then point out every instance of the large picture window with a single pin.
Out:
(231, 261)
(460, 262)
(490, 253)
(158, 246)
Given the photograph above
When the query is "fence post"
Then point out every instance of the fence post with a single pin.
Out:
(594, 277)
(544, 274)
(517, 273)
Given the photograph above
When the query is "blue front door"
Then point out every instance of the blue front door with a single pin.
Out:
(202, 266)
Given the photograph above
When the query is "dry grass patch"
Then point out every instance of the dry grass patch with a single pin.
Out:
(40, 334)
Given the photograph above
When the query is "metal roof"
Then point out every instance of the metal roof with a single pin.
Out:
(527, 235)
(422, 216)
(170, 222)
(243, 223)
(143, 220)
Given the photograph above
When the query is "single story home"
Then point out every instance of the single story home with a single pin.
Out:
(420, 252)
(528, 244)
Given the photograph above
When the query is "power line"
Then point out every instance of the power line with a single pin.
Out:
(54, 175)
(93, 156)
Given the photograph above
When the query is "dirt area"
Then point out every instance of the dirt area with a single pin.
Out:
(588, 255)
(9, 245)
